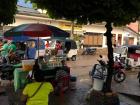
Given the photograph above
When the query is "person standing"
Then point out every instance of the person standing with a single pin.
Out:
(47, 44)
(58, 46)
(12, 48)
(31, 50)
(4, 52)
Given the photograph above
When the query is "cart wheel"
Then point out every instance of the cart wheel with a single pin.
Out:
(73, 58)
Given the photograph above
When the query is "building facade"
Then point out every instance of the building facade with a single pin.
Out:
(94, 35)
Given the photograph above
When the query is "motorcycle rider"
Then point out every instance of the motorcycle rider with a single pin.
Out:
(4, 52)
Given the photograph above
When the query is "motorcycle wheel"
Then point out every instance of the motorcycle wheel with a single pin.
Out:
(119, 77)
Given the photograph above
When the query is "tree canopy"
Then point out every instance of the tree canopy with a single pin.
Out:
(120, 12)
(7, 11)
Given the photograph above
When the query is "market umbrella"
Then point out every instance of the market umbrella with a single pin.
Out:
(35, 30)
(20, 38)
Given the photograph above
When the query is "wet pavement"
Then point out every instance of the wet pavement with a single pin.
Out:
(71, 97)
(129, 86)
(81, 68)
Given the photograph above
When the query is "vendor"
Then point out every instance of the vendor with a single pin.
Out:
(31, 50)
(4, 52)
(58, 46)
(21, 46)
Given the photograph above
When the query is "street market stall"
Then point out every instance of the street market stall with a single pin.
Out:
(49, 69)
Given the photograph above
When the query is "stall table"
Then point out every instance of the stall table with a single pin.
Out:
(20, 76)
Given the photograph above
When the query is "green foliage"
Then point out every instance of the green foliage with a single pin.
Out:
(33, 4)
(120, 12)
(7, 11)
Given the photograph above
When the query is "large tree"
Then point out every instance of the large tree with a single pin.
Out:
(7, 11)
(116, 12)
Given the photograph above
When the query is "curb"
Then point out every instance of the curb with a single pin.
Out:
(132, 96)
(123, 103)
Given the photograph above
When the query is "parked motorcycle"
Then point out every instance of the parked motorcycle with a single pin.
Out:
(6, 72)
(123, 62)
(118, 70)
(14, 58)
(89, 51)
(118, 73)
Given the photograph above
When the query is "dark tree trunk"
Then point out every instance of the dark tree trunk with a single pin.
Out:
(107, 96)
(108, 34)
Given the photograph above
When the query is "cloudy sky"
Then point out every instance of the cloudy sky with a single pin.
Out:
(22, 3)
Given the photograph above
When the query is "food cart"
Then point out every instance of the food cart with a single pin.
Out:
(49, 69)
(69, 47)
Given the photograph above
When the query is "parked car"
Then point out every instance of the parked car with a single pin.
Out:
(70, 49)
(89, 51)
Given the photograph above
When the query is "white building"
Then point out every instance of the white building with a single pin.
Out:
(94, 35)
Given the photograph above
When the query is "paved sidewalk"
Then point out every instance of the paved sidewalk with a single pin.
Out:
(129, 86)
